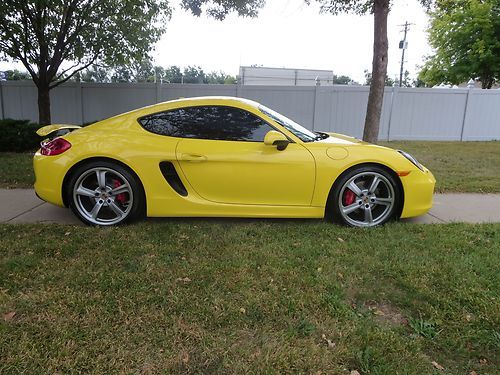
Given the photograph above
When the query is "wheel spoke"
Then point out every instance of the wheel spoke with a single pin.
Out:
(85, 192)
(96, 209)
(383, 201)
(101, 178)
(116, 209)
(368, 215)
(120, 189)
(374, 184)
(354, 188)
(351, 208)
(368, 209)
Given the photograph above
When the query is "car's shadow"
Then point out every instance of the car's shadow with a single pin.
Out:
(229, 220)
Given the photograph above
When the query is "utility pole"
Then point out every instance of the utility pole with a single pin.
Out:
(403, 45)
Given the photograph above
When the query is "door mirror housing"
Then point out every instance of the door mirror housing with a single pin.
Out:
(274, 138)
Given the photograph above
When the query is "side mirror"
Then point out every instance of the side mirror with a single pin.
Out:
(274, 138)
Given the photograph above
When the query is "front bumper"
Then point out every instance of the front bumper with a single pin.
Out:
(419, 190)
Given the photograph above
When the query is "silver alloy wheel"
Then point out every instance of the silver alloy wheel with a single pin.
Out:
(103, 196)
(366, 199)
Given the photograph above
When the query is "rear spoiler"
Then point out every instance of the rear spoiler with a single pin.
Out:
(56, 130)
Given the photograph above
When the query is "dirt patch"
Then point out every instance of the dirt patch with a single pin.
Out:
(385, 313)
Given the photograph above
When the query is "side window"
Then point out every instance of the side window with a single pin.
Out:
(208, 122)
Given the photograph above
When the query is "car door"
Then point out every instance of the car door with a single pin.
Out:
(224, 159)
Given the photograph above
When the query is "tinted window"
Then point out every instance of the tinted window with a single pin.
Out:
(209, 122)
(290, 125)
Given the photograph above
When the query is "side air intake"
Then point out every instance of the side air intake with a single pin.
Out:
(168, 171)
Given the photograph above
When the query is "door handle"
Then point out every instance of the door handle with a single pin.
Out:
(193, 157)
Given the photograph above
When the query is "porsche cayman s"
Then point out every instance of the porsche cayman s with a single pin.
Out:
(226, 157)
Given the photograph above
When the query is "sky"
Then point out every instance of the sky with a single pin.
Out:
(290, 34)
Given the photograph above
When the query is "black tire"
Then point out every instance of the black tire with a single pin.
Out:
(104, 193)
(353, 203)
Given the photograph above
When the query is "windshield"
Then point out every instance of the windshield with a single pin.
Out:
(290, 125)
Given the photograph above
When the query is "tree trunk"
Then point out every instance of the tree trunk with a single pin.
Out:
(379, 71)
(43, 104)
(487, 82)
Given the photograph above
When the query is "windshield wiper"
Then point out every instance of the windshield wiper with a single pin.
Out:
(320, 136)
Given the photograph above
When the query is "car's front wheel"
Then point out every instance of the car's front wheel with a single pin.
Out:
(105, 193)
(366, 196)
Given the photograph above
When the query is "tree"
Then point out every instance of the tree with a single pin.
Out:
(380, 10)
(54, 39)
(122, 74)
(219, 78)
(466, 37)
(144, 71)
(173, 74)
(368, 79)
(219, 9)
(406, 82)
(193, 74)
(16, 75)
(95, 74)
(342, 80)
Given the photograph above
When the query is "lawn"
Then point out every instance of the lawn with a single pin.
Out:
(458, 166)
(16, 170)
(250, 296)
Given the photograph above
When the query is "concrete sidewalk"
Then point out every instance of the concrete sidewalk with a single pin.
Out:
(22, 206)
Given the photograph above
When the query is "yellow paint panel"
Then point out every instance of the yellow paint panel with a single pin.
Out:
(227, 178)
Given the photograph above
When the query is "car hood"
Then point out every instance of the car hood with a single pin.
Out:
(340, 139)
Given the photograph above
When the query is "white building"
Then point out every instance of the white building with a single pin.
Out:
(252, 75)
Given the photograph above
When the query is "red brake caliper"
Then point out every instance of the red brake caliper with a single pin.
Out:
(120, 197)
(349, 197)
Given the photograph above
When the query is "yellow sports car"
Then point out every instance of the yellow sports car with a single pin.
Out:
(224, 156)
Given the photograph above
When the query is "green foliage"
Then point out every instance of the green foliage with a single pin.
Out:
(219, 9)
(368, 79)
(422, 327)
(18, 136)
(466, 37)
(406, 81)
(144, 71)
(346, 6)
(342, 80)
(304, 327)
(15, 75)
(193, 74)
(81, 36)
(55, 39)
(219, 78)
(95, 74)
(172, 74)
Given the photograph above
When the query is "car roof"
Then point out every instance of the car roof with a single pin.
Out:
(218, 99)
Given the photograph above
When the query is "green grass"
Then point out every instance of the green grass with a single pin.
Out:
(16, 170)
(458, 166)
(244, 296)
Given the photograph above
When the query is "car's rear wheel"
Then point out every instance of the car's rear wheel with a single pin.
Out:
(366, 196)
(104, 193)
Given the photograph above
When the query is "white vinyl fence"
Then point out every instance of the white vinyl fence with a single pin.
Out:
(408, 113)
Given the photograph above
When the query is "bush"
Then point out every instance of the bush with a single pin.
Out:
(18, 136)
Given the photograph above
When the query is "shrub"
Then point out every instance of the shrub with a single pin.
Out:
(18, 136)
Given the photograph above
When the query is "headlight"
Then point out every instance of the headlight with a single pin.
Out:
(412, 159)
